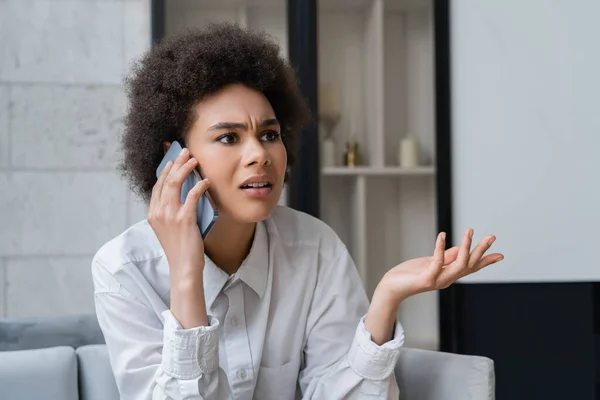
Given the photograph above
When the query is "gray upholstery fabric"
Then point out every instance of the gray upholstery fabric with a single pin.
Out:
(49, 374)
(37, 333)
(96, 380)
(61, 373)
(433, 375)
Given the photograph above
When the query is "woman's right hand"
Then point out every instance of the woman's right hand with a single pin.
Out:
(175, 223)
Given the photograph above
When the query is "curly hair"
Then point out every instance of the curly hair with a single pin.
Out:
(174, 76)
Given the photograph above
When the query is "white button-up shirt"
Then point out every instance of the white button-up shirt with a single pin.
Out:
(288, 323)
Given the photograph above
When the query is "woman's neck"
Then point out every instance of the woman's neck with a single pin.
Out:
(228, 243)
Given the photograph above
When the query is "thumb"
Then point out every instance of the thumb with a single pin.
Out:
(451, 255)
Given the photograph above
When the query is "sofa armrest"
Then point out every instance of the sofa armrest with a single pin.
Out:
(39, 374)
(434, 375)
(96, 379)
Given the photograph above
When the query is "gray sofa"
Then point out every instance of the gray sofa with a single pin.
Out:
(65, 359)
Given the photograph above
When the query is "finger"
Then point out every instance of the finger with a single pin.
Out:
(181, 159)
(170, 181)
(437, 261)
(488, 260)
(194, 195)
(480, 250)
(175, 180)
(465, 249)
(157, 189)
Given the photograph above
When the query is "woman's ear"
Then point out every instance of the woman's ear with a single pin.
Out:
(166, 146)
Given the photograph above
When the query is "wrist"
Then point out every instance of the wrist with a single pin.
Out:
(187, 301)
(381, 317)
(186, 275)
(384, 303)
(388, 293)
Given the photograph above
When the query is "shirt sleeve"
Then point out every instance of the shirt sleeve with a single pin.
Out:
(340, 359)
(151, 360)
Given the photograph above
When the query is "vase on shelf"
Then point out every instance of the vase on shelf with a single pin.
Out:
(328, 123)
(327, 151)
(329, 117)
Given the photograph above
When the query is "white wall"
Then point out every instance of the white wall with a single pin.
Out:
(61, 106)
(526, 134)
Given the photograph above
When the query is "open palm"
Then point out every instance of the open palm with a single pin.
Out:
(442, 269)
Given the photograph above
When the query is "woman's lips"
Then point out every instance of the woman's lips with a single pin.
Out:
(258, 191)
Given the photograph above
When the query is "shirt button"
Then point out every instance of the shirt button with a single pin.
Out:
(243, 374)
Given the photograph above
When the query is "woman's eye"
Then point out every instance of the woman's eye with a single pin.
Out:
(229, 138)
(270, 136)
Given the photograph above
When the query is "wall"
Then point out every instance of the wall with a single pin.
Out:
(62, 65)
(525, 135)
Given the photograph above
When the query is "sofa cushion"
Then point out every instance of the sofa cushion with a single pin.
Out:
(37, 333)
(96, 380)
(432, 375)
(39, 374)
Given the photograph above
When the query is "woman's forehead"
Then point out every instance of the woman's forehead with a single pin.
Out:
(236, 104)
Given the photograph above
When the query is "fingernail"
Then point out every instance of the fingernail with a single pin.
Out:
(492, 240)
(443, 235)
(471, 234)
(182, 152)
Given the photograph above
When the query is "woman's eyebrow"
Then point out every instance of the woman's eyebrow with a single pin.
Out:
(269, 122)
(241, 126)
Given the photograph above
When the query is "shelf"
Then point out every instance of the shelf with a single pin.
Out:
(377, 171)
(324, 5)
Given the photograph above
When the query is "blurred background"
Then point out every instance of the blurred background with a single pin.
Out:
(432, 115)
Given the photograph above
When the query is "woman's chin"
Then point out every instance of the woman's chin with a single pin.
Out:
(252, 214)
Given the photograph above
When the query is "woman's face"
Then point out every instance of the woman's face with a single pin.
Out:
(236, 140)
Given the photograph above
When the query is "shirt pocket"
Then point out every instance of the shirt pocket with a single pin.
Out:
(277, 383)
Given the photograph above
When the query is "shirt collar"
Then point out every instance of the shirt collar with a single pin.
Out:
(253, 271)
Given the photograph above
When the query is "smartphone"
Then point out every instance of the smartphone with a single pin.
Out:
(206, 213)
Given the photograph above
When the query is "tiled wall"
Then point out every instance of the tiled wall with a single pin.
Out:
(62, 64)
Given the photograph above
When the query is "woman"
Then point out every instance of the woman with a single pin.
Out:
(270, 304)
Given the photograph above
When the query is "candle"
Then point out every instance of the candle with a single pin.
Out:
(409, 152)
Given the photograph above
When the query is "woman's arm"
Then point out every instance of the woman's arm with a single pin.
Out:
(343, 360)
(155, 357)
(181, 359)
(340, 359)
(175, 226)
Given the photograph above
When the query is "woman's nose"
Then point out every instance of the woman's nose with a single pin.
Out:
(256, 153)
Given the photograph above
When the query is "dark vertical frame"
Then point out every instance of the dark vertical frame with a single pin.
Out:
(448, 298)
(304, 180)
(157, 20)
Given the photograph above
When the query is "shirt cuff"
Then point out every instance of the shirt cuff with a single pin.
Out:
(189, 353)
(370, 360)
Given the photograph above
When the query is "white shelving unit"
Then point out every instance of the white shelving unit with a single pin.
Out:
(377, 171)
(379, 56)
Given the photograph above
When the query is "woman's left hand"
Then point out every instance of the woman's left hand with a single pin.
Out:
(438, 271)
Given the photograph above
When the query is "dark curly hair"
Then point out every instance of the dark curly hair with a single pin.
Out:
(176, 74)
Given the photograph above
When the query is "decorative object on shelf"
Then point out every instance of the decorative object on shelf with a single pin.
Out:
(327, 151)
(329, 117)
(352, 156)
(409, 154)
